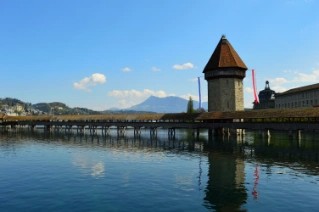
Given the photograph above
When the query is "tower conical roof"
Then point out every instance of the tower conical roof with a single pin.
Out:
(224, 56)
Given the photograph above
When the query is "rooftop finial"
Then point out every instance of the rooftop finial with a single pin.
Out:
(223, 36)
(267, 85)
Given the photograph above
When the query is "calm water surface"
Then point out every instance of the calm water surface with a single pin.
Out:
(68, 172)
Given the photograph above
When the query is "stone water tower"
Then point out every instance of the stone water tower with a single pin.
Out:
(224, 73)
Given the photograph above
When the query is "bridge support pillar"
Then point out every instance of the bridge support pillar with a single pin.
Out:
(219, 131)
(295, 134)
(196, 132)
(32, 127)
(171, 133)
(137, 131)
(299, 134)
(47, 128)
(265, 133)
(80, 129)
(240, 132)
(210, 133)
(120, 131)
(105, 131)
(153, 132)
(68, 128)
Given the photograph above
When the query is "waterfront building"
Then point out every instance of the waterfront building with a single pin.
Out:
(266, 98)
(306, 96)
(224, 73)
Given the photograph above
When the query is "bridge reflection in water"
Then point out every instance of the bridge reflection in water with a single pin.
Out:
(226, 188)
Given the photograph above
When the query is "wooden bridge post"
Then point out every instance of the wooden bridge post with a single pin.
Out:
(219, 131)
(105, 131)
(210, 134)
(265, 133)
(137, 131)
(153, 132)
(197, 133)
(32, 126)
(47, 128)
(171, 133)
(299, 135)
(120, 131)
(80, 129)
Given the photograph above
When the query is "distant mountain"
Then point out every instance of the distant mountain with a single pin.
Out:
(171, 104)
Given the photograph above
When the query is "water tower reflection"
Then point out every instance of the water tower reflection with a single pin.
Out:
(225, 189)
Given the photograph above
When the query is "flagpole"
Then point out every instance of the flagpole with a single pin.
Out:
(199, 94)
(255, 87)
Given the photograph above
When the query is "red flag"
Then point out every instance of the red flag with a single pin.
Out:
(254, 87)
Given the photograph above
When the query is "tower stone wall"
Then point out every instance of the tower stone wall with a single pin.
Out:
(225, 94)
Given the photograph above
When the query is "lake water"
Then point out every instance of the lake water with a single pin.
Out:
(69, 172)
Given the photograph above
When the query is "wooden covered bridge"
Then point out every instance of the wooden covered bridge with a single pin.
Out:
(264, 120)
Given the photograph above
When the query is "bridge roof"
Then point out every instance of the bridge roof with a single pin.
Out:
(267, 113)
(106, 117)
(224, 56)
(207, 116)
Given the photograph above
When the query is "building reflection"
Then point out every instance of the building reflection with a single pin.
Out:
(225, 189)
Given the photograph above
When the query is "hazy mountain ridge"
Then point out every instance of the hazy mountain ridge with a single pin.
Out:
(171, 104)
(153, 104)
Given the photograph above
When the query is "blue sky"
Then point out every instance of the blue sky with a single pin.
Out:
(101, 54)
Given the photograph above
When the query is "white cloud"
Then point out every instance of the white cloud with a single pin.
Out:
(90, 81)
(128, 98)
(249, 90)
(126, 69)
(281, 84)
(313, 77)
(155, 69)
(184, 66)
(89, 165)
(97, 169)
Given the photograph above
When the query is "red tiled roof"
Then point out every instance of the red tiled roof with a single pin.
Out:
(224, 56)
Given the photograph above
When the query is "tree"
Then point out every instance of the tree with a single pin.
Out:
(190, 107)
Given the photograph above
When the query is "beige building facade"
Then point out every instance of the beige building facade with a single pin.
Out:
(306, 96)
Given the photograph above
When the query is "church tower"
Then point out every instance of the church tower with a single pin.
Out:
(224, 73)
